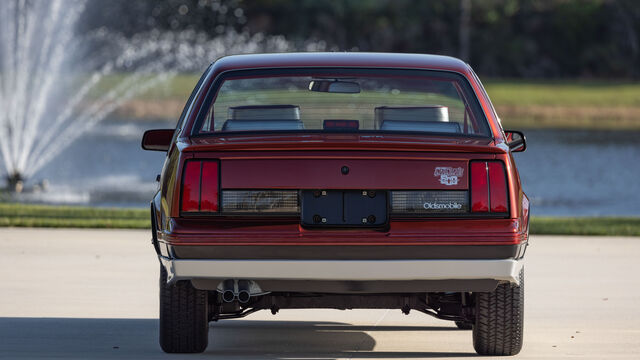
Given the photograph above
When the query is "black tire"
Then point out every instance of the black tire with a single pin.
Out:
(463, 325)
(499, 322)
(184, 325)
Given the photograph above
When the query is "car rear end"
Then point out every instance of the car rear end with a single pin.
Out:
(343, 187)
(353, 216)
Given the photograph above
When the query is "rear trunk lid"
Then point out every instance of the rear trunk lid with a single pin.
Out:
(344, 161)
(351, 172)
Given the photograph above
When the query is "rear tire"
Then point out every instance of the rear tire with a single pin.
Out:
(499, 322)
(184, 325)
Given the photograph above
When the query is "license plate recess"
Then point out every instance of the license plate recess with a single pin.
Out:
(344, 208)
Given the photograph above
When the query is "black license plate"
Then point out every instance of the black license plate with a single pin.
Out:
(352, 208)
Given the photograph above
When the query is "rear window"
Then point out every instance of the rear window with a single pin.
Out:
(342, 100)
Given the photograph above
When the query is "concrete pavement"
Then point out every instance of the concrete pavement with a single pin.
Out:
(93, 294)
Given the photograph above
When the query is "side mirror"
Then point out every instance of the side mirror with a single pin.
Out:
(157, 140)
(516, 140)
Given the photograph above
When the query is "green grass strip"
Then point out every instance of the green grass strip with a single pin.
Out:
(563, 92)
(27, 215)
(521, 103)
(501, 91)
(605, 226)
(37, 222)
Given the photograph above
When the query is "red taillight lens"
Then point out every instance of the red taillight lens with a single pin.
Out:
(479, 187)
(209, 186)
(498, 190)
(488, 187)
(191, 186)
(200, 186)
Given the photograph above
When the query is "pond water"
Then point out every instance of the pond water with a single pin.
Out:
(564, 172)
(581, 172)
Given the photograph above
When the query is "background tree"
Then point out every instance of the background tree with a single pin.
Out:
(503, 38)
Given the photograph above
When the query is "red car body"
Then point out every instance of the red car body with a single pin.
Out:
(215, 245)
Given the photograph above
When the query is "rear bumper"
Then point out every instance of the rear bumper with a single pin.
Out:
(503, 270)
(342, 252)
(280, 232)
(427, 256)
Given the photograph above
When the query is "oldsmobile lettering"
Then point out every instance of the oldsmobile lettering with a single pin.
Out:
(442, 206)
(448, 175)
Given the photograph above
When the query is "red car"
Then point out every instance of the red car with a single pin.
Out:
(341, 181)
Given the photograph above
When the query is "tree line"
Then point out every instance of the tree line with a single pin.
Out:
(499, 38)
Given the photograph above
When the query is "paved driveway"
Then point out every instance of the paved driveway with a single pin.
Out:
(93, 294)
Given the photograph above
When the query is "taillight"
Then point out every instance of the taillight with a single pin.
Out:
(209, 186)
(498, 188)
(429, 202)
(479, 187)
(200, 183)
(260, 202)
(488, 187)
(191, 186)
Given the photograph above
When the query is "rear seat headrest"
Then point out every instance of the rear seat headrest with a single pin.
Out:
(265, 112)
(425, 126)
(432, 113)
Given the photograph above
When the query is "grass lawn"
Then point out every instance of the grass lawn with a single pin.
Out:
(563, 93)
(593, 104)
(26, 215)
(502, 92)
(605, 226)
(566, 104)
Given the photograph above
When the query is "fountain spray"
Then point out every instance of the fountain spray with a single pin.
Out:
(42, 107)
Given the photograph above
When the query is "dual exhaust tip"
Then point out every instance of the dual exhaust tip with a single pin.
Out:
(236, 290)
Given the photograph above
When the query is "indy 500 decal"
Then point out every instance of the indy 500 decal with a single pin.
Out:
(448, 175)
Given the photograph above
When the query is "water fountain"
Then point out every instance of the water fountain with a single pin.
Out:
(52, 87)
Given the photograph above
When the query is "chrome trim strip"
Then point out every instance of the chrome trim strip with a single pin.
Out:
(503, 269)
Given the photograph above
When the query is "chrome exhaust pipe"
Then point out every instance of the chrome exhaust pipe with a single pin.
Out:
(241, 290)
(244, 291)
(228, 292)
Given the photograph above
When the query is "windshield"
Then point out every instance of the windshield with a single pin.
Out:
(415, 101)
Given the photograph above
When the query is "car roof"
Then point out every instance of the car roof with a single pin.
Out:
(340, 59)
